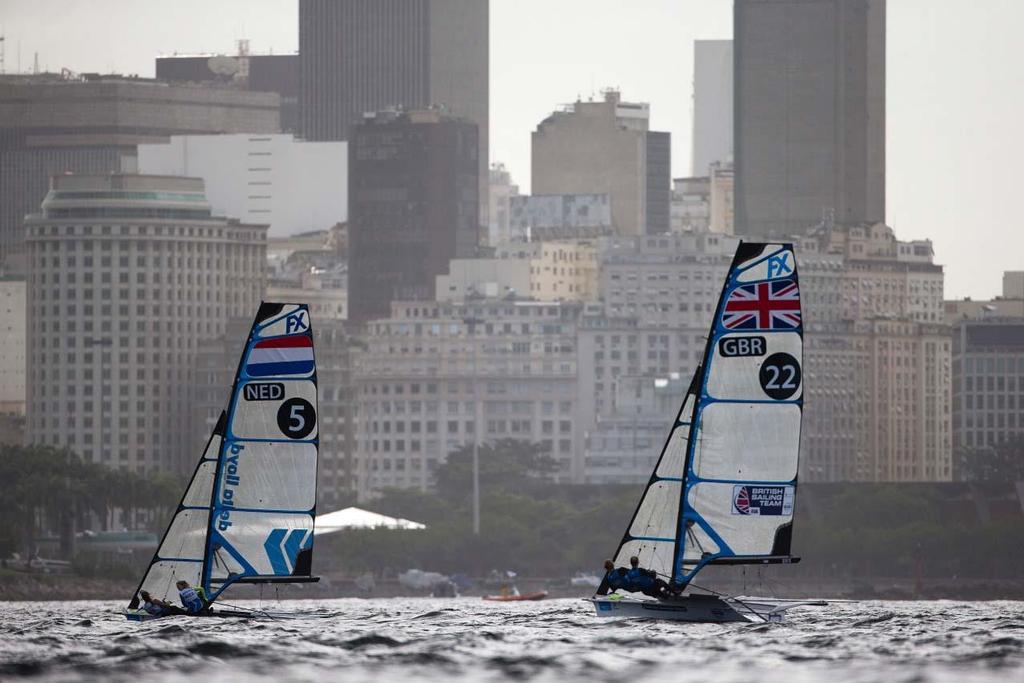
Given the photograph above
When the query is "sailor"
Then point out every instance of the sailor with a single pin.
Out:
(192, 598)
(614, 578)
(646, 581)
(158, 607)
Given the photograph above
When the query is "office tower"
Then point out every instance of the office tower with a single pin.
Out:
(712, 104)
(12, 346)
(810, 114)
(245, 71)
(605, 147)
(126, 274)
(292, 185)
(412, 206)
(50, 125)
(359, 56)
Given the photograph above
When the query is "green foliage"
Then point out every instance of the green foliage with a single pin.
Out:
(1002, 462)
(505, 464)
(47, 489)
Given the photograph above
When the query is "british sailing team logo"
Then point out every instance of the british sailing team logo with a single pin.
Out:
(762, 500)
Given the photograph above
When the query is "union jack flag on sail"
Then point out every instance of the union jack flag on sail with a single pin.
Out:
(763, 306)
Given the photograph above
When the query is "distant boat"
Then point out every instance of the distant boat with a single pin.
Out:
(723, 489)
(247, 515)
(516, 596)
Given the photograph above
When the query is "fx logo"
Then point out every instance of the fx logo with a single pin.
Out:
(296, 322)
(778, 265)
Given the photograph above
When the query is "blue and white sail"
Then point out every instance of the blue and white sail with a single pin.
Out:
(724, 488)
(248, 513)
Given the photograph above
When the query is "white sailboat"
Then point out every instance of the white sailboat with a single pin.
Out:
(723, 490)
(247, 515)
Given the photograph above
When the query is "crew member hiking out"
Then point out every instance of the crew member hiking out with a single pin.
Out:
(646, 581)
(193, 599)
(614, 578)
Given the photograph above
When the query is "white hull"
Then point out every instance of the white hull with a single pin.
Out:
(698, 608)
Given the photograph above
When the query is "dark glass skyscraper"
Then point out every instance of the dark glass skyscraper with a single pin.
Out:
(809, 113)
(359, 56)
(412, 206)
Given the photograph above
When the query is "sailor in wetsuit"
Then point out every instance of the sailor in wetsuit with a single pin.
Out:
(193, 599)
(614, 578)
(646, 581)
(158, 607)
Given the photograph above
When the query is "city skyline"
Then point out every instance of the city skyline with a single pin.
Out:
(934, 93)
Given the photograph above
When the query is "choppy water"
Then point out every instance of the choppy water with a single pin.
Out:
(558, 640)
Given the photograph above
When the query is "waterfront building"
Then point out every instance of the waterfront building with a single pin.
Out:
(127, 273)
(809, 78)
(291, 185)
(12, 346)
(433, 371)
(606, 147)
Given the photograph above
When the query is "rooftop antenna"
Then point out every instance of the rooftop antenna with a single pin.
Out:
(35, 63)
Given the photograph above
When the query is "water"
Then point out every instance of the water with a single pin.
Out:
(558, 640)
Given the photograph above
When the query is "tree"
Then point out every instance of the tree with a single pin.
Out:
(1002, 462)
(505, 464)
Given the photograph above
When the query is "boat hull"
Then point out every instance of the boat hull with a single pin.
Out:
(700, 608)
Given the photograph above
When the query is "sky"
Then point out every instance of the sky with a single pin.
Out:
(955, 100)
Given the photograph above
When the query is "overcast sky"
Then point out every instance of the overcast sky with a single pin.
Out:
(955, 96)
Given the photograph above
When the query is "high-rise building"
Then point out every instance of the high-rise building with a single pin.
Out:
(712, 104)
(359, 56)
(809, 113)
(292, 185)
(431, 372)
(412, 206)
(559, 216)
(50, 125)
(258, 73)
(501, 192)
(12, 346)
(605, 147)
(126, 274)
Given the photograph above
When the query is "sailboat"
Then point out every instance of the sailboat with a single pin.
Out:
(248, 512)
(723, 489)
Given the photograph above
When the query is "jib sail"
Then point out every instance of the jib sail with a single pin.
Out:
(247, 515)
(723, 489)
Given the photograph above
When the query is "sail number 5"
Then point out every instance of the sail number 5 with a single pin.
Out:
(296, 418)
(780, 376)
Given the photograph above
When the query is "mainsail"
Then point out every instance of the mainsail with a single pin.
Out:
(247, 515)
(724, 487)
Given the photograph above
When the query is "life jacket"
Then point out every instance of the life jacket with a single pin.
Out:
(155, 610)
(190, 600)
(615, 579)
(639, 579)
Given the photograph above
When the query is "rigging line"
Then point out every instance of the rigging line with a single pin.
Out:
(732, 597)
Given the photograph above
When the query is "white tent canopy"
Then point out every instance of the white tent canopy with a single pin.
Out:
(356, 518)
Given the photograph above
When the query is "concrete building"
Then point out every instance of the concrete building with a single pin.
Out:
(722, 198)
(326, 296)
(622, 448)
(809, 113)
(1009, 305)
(502, 189)
(245, 71)
(605, 147)
(712, 104)
(291, 185)
(876, 358)
(412, 208)
(51, 125)
(12, 346)
(564, 270)
(491, 278)
(358, 56)
(432, 372)
(988, 382)
(126, 274)
(560, 216)
(216, 361)
(704, 203)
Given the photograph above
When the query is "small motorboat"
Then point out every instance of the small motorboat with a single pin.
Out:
(517, 597)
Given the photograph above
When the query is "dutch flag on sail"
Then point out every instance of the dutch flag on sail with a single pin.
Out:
(292, 355)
